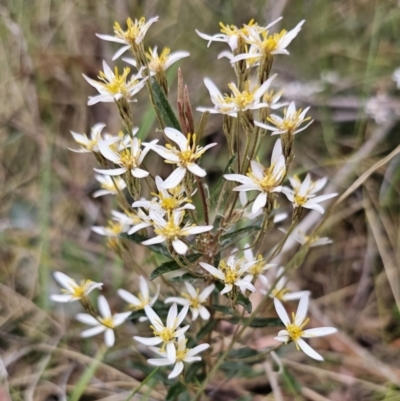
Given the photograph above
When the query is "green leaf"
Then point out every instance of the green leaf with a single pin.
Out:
(238, 234)
(206, 329)
(257, 322)
(163, 106)
(218, 186)
(138, 239)
(245, 302)
(172, 265)
(242, 353)
(175, 391)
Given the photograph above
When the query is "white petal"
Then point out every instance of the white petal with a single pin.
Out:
(226, 289)
(198, 230)
(196, 350)
(120, 52)
(281, 311)
(259, 202)
(93, 331)
(155, 240)
(206, 293)
(172, 314)
(308, 350)
(119, 318)
(318, 332)
(128, 297)
(214, 271)
(301, 310)
(176, 136)
(181, 331)
(110, 38)
(154, 318)
(139, 173)
(177, 300)
(171, 352)
(177, 370)
(104, 308)
(149, 341)
(239, 178)
(196, 170)
(64, 280)
(62, 298)
(87, 319)
(191, 290)
(284, 338)
(159, 361)
(174, 57)
(175, 178)
(109, 337)
(204, 313)
(180, 247)
(113, 171)
(182, 315)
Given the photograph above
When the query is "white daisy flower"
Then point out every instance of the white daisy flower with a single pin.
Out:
(258, 265)
(280, 289)
(127, 159)
(170, 230)
(183, 354)
(159, 63)
(231, 34)
(302, 238)
(303, 193)
(232, 272)
(108, 185)
(267, 44)
(185, 157)
(114, 228)
(249, 99)
(294, 329)
(195, 300)
(114, 86)
(264, 180)
(133, 35)
(88, 145)
(142, 299)
(106, 322)
(289, 124)
(72, 291)
(167, 200)
(165, 334)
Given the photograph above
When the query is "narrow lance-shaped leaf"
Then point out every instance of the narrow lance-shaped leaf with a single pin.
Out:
(172, 265)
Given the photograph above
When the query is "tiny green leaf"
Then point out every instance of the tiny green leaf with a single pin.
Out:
(245, 302)
(172, 265)
(256, 322)
(163, 106)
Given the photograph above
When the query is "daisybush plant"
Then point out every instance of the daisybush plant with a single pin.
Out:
(218, 253)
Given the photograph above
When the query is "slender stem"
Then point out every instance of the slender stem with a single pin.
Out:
(137, 389)
(203, 198)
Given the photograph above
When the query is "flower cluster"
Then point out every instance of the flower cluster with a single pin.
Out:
(213, 239)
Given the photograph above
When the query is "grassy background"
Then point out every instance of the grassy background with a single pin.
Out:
(47, 210)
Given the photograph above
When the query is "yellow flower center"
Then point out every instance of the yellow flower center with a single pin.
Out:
(189, 155)
(115, 227)
(270, 42)
(170, 230)
(231, 276)
(289, 123)
(241, 99)
(169, 203)
(157, 63)
(118, 83)
(257, 268)
(295, 331)
(166, 334)
(143, 303)
(194, 302)
(279, 294)
(107, 321)
(269, 181)
(181, 355)
(132, 32)
(127, 160)
(300, 200)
